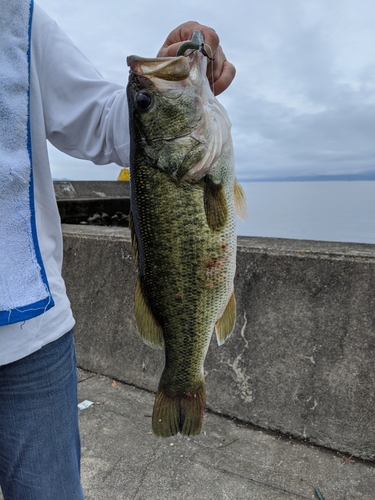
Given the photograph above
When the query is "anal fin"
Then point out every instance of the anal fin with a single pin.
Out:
(148, 328)
(225, 325)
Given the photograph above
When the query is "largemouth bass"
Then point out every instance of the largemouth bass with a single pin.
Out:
(183, 197)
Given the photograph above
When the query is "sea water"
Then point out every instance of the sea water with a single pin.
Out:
(313, 210)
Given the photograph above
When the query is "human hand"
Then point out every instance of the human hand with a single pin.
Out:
(221, 74)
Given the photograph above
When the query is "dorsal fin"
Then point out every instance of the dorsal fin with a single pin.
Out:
(240, 201)
(134, 240)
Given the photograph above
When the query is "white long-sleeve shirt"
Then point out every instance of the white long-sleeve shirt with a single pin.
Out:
(83, 115)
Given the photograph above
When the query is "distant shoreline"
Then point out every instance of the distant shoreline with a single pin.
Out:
(312, 178)
(302, 178)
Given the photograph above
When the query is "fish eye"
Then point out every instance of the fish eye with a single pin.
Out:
(144, 101)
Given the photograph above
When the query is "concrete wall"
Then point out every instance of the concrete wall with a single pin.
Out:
(301, 359)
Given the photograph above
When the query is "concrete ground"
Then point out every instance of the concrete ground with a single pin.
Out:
(123, 460)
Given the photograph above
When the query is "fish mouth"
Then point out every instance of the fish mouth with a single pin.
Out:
(166, 68)
(179, 71)
(170, 68)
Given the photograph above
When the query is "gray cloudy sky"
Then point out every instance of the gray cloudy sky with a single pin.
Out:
(303, 100)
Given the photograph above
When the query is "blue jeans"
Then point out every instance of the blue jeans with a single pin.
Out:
(39, 435)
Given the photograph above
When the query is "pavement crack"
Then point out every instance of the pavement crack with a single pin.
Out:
(252, 480)
(87, 378)
(144, 473)
(114, 469)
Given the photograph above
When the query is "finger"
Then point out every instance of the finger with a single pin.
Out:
(220, 73)
(215, 67)
(225, 79)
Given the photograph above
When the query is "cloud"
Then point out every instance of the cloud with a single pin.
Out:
(300, 112)
(303, 101)
(278, 140)
(66, 167)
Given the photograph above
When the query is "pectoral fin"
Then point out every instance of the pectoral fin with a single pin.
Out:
(148, 328)
(215, 205)
(240, 201)
(225, 325)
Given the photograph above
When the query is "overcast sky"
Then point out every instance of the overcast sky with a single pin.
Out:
(303, 100)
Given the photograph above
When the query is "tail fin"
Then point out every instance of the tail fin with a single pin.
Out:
(182, 413)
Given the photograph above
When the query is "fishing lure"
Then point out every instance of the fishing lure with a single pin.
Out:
(196, 43)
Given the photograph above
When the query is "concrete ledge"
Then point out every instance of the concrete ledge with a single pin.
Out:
(77, 200)
(90, 190)
(301, 359)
